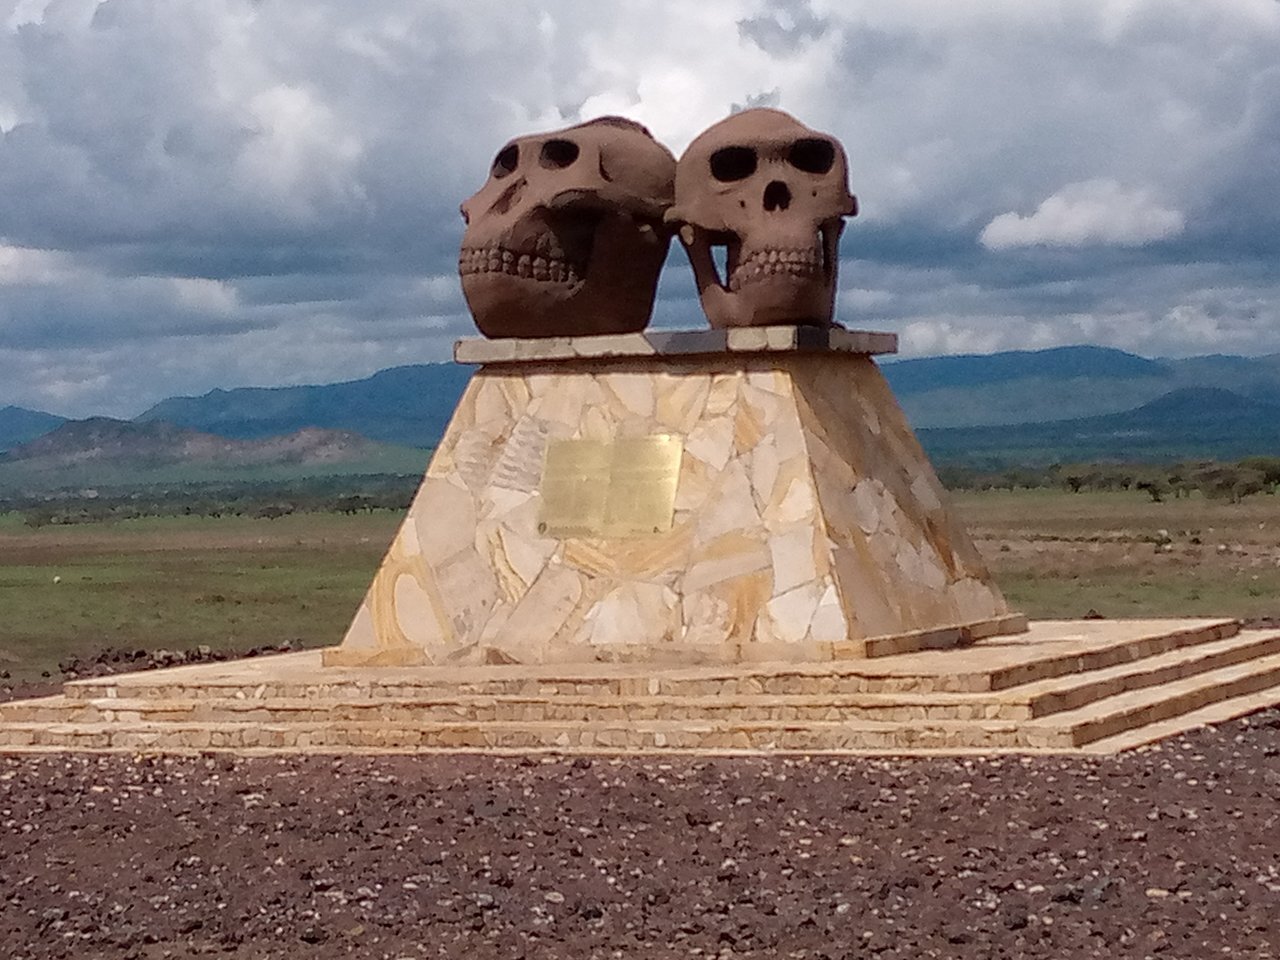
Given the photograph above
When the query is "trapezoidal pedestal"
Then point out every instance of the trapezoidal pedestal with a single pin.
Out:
(707, 497)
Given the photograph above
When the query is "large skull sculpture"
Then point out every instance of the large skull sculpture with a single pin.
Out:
(774, 193)
(567, 235)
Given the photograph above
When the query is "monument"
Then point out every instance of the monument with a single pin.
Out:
(721, 539)
(746, 493)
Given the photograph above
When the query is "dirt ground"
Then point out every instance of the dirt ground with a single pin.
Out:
(1173, 851)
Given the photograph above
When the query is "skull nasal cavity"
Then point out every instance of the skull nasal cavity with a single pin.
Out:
(777, 196)
(559, 154)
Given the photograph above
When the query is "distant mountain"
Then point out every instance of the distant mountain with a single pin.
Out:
(1057, 363)
(1184, 424)
(103, 451)
(1058, 400)
(1023, 386)
(104, 440)
(1064, 383)
(18, 425)
(403, 405)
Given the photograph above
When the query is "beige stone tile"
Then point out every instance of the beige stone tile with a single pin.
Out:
(723, 394)
(731, 507)
(657, 557)
(828, 623)
(697, 480)
(516, 561)
(749, 427)
(769, 380)
(794, 498)
(519, 465)
(526, 635)
(442, 522)
(420, 622)
(711, 441)
(635, 614)
(792, 553)
(632, 391)
(732, 554)
(764, 472)
(790, 613)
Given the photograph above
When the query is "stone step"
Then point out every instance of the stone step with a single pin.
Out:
(1215, 713)
(1132, 709)
(1109, 655)
(568, 737)
(1071, 730)
(971, 670)
(513, 709)
(1069, 692)
(1030, 701)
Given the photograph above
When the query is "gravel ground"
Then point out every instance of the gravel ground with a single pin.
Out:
(1172, 851)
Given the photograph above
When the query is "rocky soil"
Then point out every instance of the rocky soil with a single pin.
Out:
(1173, 851)
(113, 660)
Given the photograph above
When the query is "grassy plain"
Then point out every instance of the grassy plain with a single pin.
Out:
(237, 582)
(180, 582)
(1058, 554)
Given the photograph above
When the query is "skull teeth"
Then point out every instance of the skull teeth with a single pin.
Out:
(539, 267)
(767, 264)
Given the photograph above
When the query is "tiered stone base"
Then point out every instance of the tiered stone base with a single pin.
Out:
(1065, 686)
(789, 514)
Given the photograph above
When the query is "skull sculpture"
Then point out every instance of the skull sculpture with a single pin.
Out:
(774, 193)
(567, 235)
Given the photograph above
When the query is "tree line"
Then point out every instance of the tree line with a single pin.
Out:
(271, 500)
(261, 500)
(1232, 481)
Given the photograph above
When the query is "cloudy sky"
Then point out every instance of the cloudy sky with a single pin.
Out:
(215, 193)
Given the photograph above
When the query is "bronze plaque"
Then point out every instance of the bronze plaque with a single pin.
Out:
(618, 488)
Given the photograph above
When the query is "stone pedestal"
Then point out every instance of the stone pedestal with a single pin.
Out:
(800, 520)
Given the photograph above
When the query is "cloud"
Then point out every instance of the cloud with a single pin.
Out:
(1084, 214)
(227, 192)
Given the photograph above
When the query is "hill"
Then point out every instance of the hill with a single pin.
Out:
(1045, 393)
(104, 452)
(1184, 424)
(1024, 386)
(408, 406)
(411, 405)
(18, 425)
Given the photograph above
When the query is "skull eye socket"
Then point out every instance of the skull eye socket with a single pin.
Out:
(506, 161)
(733, 163)
(812, 155)
(558, 154)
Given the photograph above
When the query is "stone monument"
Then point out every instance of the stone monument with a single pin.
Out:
(750, 492)
(723, 539)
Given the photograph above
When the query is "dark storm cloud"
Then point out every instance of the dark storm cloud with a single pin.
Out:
(198, 194)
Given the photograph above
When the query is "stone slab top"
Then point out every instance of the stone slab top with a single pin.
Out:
(675, 343)
(1045, 640)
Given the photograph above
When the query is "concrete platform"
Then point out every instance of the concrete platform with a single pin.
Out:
(1062, 687)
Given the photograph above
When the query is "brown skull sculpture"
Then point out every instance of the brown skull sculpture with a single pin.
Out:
(567, 237)
(774, 194)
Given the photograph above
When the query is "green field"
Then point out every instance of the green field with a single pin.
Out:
(1059, 554)
(237, 582)
(178, 583)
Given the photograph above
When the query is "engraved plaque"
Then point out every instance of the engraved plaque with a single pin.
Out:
(619, 488)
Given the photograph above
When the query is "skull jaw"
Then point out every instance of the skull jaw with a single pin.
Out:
(615, 295)
(505, 306)
(779, 298)
(779, 301)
